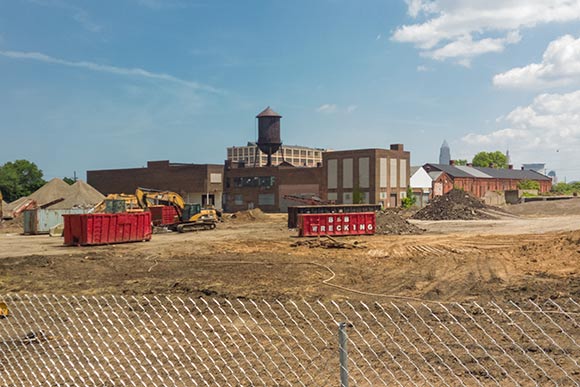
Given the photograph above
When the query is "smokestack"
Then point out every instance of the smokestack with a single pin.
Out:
(511, 166)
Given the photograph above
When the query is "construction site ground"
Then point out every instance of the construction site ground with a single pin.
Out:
(534, 254)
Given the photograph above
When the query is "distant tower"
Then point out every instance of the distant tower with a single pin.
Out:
(269, 133)
(508, 158)
(444, 154)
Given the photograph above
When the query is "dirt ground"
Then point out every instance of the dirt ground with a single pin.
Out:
(535, 253)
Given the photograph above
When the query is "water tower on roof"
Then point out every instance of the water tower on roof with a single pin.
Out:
(269, 132)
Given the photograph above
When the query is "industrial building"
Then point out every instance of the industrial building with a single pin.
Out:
(369, 176)
(266, 187)
(478, 181)
(196, 183)
(379, 176)
(298, 156)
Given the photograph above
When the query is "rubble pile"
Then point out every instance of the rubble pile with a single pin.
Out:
(248, 215)
(328, 242)
(390, 222)
(454, 205)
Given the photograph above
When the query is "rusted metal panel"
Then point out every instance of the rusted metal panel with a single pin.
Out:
(101, 229)
(354, 223)
(295, 211)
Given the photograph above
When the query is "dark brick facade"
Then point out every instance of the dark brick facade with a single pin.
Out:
(265, 187)
(192, 181)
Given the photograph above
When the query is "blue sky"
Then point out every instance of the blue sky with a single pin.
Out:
(111, 84)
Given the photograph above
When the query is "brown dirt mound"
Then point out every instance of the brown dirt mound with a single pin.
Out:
(390, 221)
(12, 226)
(53, 190)
(248, 215)
(563, 244)
(454, 205)
(80, 194)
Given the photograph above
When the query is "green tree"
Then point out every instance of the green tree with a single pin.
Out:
(485, 159)
(410, 200)
(357, 195)
(528, 184)
(19, 178)
(566, 188)
(69, 180)
(460, 162)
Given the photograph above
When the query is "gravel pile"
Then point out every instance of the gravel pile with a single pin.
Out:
(454, 205)
(390, 222)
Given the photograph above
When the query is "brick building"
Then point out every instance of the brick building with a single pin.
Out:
(197, 183)
(265, 187)
(478, 181)
(376, 176)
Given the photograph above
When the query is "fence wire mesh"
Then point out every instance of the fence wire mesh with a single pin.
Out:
(180, 341)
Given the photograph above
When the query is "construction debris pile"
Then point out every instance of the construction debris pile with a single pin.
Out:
(248, 215)
(55, 195)
(454, 205)
(327, 242)
(390, 222)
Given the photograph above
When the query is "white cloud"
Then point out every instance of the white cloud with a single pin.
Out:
(455, 28)
(134, 72)
(330, 108)
(423, 68)
(466, 48)
(538, 130)
(327, 108)
(560, 66)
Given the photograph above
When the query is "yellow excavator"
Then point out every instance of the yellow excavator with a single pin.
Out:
(131, 203)
(192, 217)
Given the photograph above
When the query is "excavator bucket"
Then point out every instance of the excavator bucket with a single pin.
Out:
(3, 310)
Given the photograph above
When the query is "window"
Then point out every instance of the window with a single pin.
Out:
(266, 199)
(254, 181)
(239, 200)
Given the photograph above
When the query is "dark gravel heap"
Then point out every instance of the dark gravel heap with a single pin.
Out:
(454, 205)
(389, 221)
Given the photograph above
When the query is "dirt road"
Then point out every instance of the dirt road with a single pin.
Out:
(512, 258)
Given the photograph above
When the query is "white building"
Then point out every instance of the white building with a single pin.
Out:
(421, 183)
(299, 156)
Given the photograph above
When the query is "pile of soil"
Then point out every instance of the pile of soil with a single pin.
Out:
(12, 226)
(248, 215)
(53, 190)
(390, 222)
(80, 194)
(454, 205)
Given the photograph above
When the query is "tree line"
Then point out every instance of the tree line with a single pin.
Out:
(21, 178)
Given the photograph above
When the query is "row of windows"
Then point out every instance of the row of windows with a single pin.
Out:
(251, 151)
(252, 181)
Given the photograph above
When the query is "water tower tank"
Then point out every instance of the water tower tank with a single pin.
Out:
(269, 132)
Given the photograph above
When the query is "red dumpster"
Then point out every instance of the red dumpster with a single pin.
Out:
(337, 224)
(162, 215)
(101, 229)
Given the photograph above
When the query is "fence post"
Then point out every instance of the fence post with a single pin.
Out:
(343, 354)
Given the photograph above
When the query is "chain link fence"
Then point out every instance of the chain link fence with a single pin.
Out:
(180, 341)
